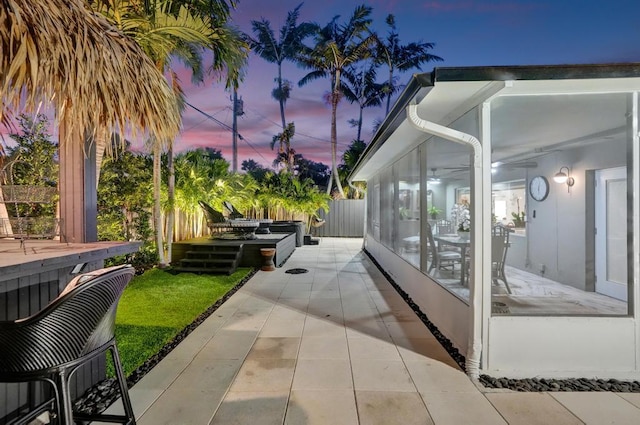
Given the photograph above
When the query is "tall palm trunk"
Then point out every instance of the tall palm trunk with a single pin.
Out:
(171, 213)
(334, 142)
(157, 213)
(360, 123)
(390, 91)
(281, 96)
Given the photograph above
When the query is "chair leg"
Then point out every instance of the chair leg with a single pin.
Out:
(63, 398)
(122, 382)
(506, 284)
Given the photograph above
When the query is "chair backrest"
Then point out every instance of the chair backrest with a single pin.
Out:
(499, 243)
(233, 213)
(444, 226)
(80, 320)
(212, 215)
(431, 242)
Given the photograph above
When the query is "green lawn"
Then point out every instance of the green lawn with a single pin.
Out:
(157, 305)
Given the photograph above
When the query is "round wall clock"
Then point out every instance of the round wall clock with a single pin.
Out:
(539, 188)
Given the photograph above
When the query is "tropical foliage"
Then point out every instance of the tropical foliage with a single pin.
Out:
(400, 57)
(31, 162)
(166, 29)
(285, 48)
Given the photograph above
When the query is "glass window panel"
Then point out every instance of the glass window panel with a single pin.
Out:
(407, 241)
(562, 255)
(448, 183)
(387, 211)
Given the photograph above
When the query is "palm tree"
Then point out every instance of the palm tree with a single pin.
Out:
(337, 47)
(401, 57)
(287, 47)
(285, 153)
(166, 29)
(360, 86)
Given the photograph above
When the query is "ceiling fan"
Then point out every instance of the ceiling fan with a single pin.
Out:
(433, 179)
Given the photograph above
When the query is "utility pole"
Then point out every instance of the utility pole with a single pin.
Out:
(238, 110)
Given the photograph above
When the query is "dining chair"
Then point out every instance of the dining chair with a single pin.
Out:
(444, 226)
(73, 329)
(440, 258)
(499, 246)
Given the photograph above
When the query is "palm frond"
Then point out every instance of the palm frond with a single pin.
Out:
(95, 76)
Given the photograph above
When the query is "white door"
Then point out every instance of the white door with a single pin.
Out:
(611, 232)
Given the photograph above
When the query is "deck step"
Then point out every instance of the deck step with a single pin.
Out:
(211, 259)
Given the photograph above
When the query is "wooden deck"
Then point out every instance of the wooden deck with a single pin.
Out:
(284, 243)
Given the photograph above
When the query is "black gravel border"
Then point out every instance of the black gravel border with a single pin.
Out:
(522, 385)
(101, 395)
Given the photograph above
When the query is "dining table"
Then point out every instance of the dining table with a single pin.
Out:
(460, 240)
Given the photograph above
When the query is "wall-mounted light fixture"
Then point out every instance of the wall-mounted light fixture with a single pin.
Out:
(562, 177)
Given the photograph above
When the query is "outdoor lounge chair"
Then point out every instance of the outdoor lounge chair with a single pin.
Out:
(212, 215)
(75, 328)
(232, 212)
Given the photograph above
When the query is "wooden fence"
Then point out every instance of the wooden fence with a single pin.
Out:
(344, 219)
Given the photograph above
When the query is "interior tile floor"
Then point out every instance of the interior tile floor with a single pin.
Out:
(337, 345)
(531, 294)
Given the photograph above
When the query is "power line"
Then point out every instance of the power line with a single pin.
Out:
(297, 133)
(226, 127)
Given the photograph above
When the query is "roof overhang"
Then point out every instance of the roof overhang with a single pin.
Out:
(446, 94)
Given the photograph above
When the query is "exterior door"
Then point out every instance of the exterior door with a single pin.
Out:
(611, 232)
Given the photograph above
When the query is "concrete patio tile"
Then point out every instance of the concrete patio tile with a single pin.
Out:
(244, 321)
(320, 306)
(299, 304)
(381, 375)
(264, 408)
(282, 311)
(390, 407)
(321, 327)
(433, 376)
(335, 407)
(367, 328)
(414, 329)
(332, 294)
(207, 373)
(461, 408)
(419, 349)
(400, 314)
(599, 407)
(296, 287)
(274, 348)
(230, 344)
(372, 348)
(164, 373)
(633, 398)
(324, 286)
(531, 409)
(264, 375)
(361, 312)
(322, 374)
(282, 327)
(317, 347)
(182, 406)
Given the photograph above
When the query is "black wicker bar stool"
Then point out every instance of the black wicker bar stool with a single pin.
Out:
(73, 329)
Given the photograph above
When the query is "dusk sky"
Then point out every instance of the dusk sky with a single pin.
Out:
(466, 33)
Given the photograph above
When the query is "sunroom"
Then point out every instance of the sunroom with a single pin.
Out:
(504, 202)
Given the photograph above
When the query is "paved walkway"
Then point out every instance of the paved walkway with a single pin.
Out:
(337, 345)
